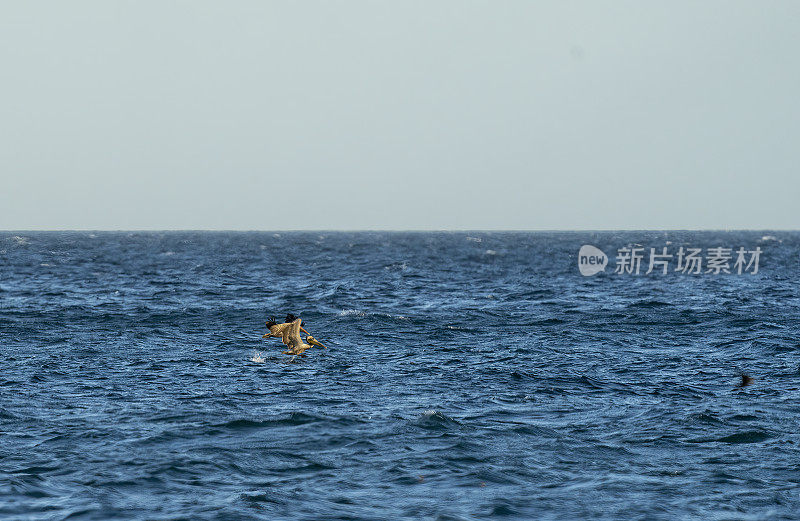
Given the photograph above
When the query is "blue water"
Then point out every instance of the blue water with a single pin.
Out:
(468, 376)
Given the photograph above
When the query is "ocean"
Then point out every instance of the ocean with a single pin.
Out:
(468, 375)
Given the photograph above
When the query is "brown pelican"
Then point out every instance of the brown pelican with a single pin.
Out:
(289, 332)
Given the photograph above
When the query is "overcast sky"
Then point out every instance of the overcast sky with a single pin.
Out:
(399, 115)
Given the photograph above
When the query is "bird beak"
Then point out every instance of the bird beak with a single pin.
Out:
(313, 341)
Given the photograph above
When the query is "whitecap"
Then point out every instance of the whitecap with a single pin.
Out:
(348, 312)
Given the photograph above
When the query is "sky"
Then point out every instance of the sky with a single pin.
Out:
(404, 115)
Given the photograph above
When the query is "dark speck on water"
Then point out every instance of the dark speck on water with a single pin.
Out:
(746, 380)
(467, 376)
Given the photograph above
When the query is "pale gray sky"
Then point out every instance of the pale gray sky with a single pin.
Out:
(282, 115)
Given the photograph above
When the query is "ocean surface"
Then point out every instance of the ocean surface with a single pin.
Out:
(470, 375)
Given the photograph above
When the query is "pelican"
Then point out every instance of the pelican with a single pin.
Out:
(290, 336)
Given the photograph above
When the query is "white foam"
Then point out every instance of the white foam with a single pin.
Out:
(348, 312)
(258, 357)
(359, 313)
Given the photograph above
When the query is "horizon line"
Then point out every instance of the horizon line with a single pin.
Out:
(398, 230)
